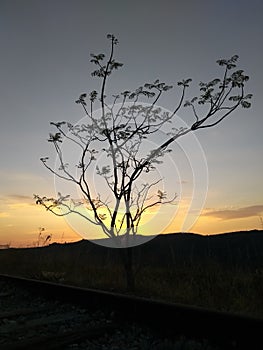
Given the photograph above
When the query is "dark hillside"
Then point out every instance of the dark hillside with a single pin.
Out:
(238, 249)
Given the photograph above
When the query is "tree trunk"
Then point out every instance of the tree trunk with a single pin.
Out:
(127, 255)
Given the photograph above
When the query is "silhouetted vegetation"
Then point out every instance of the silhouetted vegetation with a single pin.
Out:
(223, 272)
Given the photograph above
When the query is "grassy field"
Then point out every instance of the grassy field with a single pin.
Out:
(225, 273)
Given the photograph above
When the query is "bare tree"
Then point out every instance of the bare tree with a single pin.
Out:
(120, 131)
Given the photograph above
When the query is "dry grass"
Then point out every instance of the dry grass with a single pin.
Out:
(209, 285)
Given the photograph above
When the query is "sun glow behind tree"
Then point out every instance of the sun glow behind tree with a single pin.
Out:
(190, 163)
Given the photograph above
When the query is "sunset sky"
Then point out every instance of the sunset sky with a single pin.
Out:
(45, 66)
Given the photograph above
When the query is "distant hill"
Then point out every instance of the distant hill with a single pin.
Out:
(126, 243)
(243, 249)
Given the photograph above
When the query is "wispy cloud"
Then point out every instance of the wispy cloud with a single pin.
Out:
(14, 201)
(230, 214)
(20, 197)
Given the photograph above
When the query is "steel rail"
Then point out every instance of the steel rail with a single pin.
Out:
(232, 331)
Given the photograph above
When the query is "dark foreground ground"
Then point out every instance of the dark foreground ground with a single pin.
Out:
(223, 272)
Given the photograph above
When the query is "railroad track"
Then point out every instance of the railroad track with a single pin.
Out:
(38, 315)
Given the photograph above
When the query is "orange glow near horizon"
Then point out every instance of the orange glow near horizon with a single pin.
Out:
(20, 224)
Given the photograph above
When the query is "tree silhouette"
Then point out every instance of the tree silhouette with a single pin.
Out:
(119, 131)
